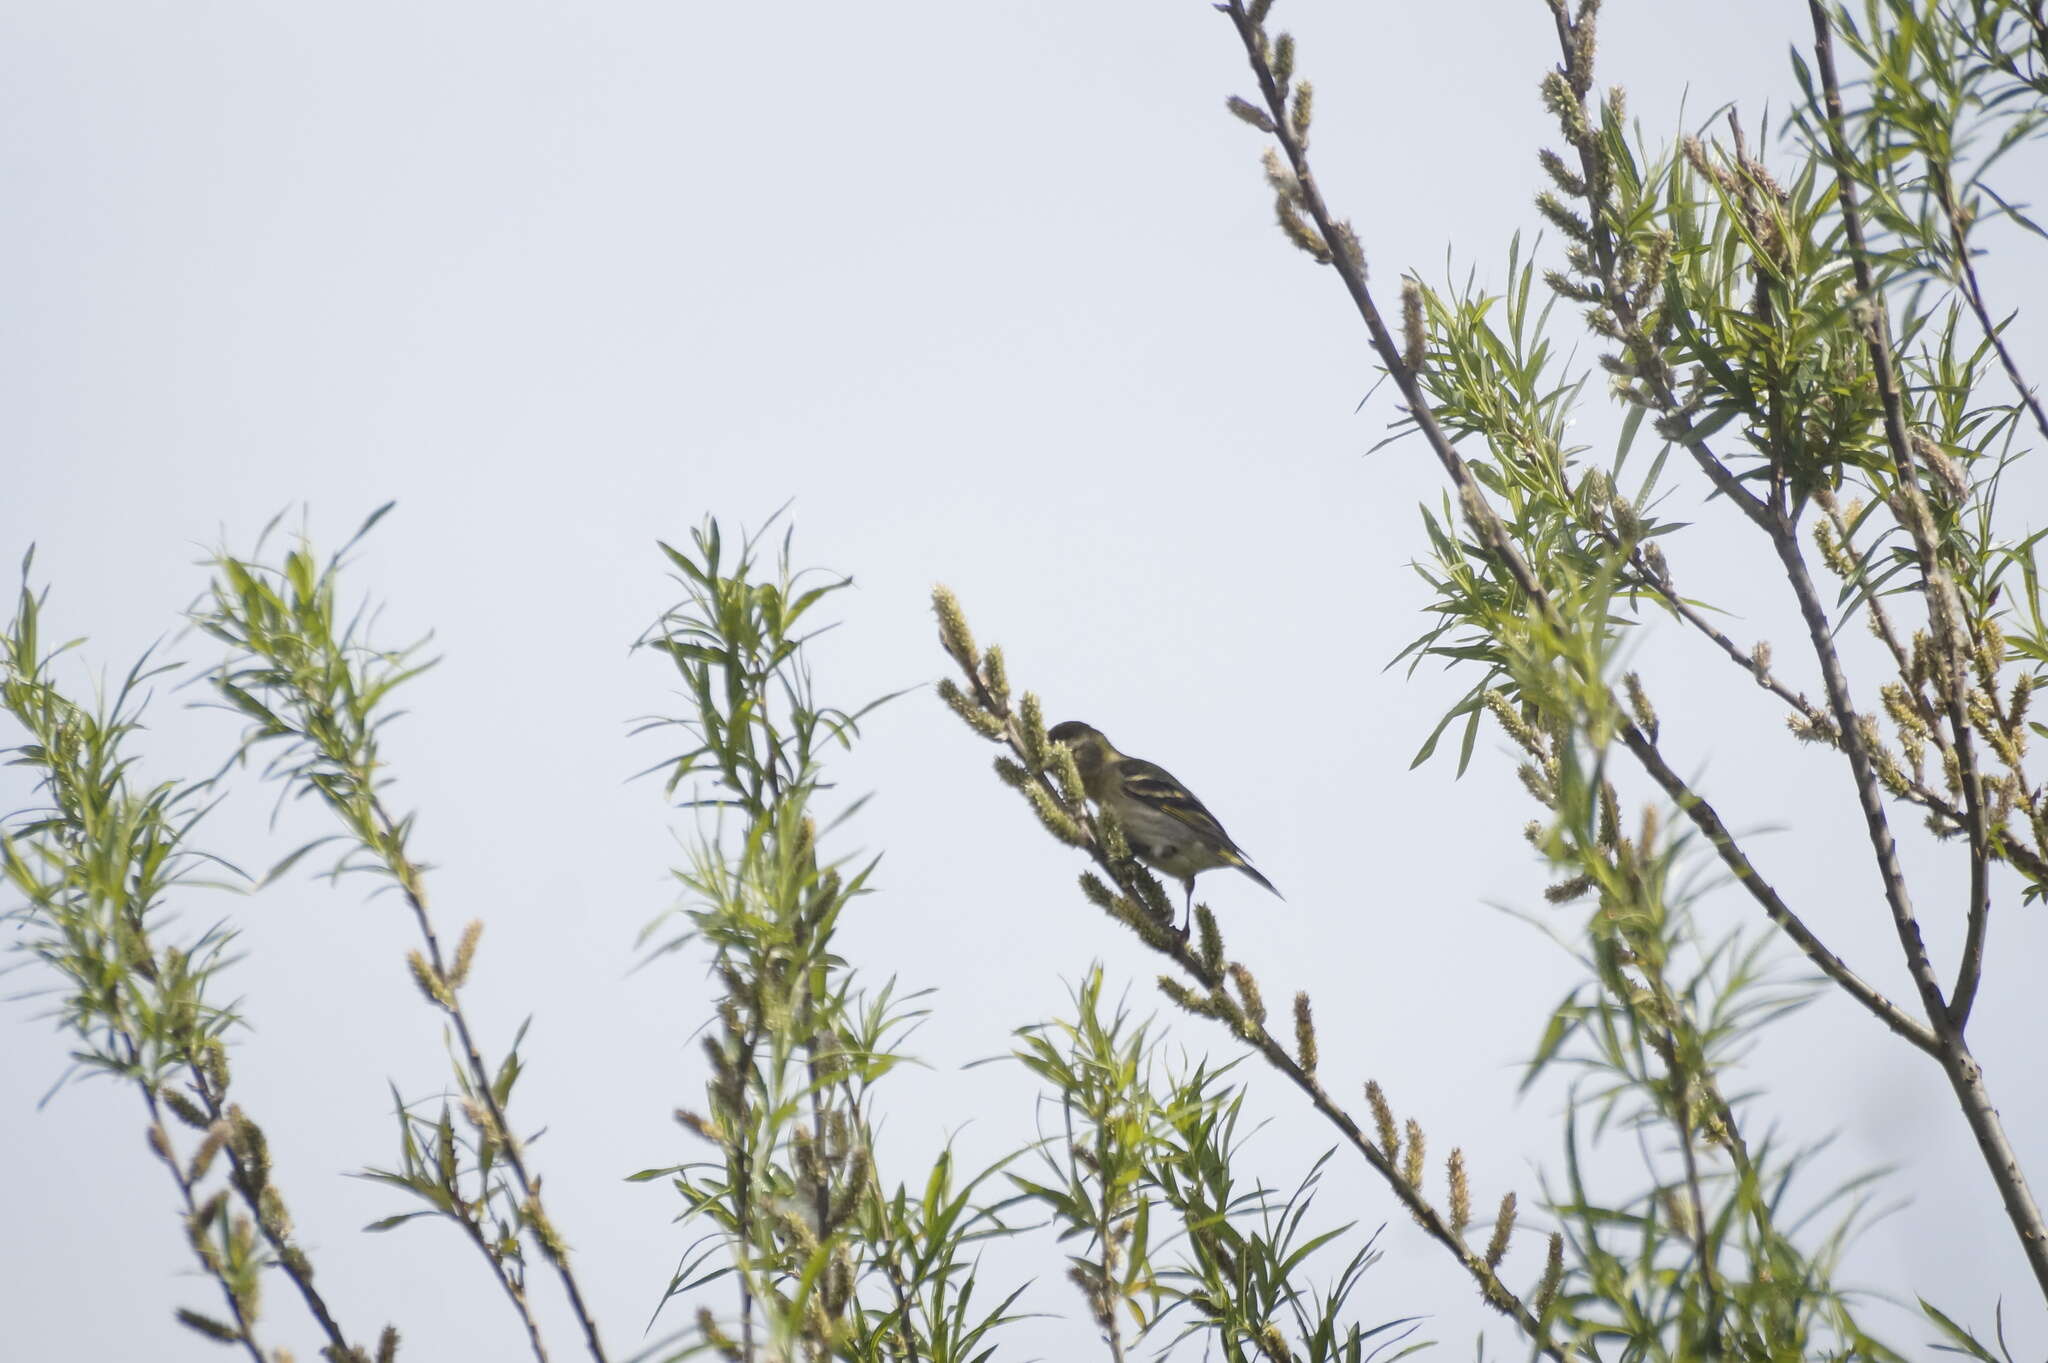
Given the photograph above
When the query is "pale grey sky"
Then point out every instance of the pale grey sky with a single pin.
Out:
(994, 291)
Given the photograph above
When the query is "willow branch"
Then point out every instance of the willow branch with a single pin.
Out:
(1944, 606)
(291, 1260)
(1973, 292)
(409, 883)
(1349, 264)
(245, 1326)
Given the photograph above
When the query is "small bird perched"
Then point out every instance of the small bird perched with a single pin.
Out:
(1168, 828)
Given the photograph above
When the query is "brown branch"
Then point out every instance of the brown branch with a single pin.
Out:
(1945, 613)
(1350, 267)
(1709, 823)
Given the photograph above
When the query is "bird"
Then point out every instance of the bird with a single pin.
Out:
(1167, 827)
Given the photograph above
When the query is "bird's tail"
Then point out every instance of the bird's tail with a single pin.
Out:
(1247, 868)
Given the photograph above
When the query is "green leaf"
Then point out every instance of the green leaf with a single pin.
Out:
(1963, 1342)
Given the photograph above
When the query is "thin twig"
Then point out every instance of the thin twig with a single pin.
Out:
(1350, 267)
(1863, 770)
(1973, 292)
(1112, 1328)
(291, 1260)
(245, 1328)
(1702, 1237)
(1747, 660)
(515, 1287)
(408, 878)
(1817, 720)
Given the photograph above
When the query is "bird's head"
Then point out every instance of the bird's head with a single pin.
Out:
(1091, 750)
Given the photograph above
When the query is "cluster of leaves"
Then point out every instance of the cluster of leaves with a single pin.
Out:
(828, 1262)
(1232, 1271)
(316, 688)
(94, 868)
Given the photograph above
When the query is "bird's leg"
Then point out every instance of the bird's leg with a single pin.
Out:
(1188, 921)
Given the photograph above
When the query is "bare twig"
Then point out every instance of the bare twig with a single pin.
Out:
(1746, 659)
(1973, 292)
(513, 1284)
(1704, 817)
(1350, 267)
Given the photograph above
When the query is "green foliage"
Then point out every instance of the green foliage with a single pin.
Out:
(95, 865)
(1242, 1273)
(1097, 1162)
(830, 1262)
(95, 868)
(316, 687)
(1145, 1172)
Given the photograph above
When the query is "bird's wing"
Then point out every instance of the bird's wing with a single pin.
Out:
(1155, 786)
